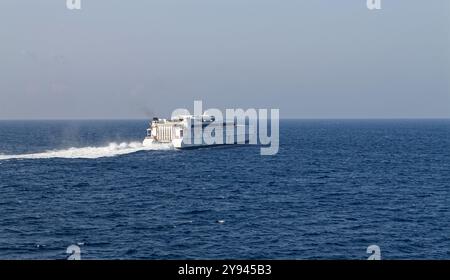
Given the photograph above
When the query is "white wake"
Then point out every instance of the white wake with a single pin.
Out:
(113, 149)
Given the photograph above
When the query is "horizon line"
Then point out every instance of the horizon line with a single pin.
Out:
(288, 118)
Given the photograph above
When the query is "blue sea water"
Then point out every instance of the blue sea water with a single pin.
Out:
(334, 188)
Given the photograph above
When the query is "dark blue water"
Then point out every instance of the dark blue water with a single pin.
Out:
(334, 188)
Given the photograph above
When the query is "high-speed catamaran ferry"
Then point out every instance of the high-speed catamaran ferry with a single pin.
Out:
(188, 131)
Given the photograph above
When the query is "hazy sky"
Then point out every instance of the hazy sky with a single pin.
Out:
(309, 58)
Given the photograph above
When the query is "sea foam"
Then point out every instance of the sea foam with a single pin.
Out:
(113, 149)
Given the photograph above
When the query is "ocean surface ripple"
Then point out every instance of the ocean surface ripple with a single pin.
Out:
(335, 187)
